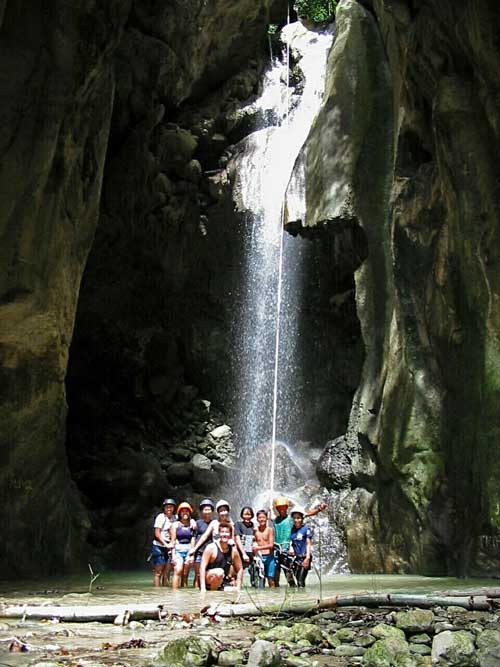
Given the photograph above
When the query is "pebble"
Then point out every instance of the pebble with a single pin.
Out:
(442, 627)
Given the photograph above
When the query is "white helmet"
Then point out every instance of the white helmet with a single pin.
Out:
(222, 503)
(298, 510)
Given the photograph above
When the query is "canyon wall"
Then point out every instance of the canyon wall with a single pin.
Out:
(415, 475)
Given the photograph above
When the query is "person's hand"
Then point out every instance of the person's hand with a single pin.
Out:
(322, 506)
(191, 553)
(255, 547)
(189, 559)
(307, 562)
(246, 559)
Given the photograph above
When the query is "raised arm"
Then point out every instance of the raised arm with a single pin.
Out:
(203, 538)
(316, 510)
(205, 560)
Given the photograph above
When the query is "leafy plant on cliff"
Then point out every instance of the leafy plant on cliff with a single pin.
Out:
(315, 10)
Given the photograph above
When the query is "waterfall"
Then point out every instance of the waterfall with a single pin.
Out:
(267, 347)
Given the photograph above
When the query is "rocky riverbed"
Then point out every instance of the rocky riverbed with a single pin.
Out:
(386, 637)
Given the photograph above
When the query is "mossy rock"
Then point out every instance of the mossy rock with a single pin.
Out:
(389, 652)
(231, 657)
(415, 620)
(382, 631)
(488, 644)
(307, 631)
(345, 635)
(279, 632)
(454, 649)
(332, 639)
(188, 652)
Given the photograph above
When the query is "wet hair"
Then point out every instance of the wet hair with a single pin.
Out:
(262, 512)
(245, 509)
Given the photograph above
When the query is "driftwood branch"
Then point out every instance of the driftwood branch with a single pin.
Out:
(121, 614)
(82, 614)
(470, 602)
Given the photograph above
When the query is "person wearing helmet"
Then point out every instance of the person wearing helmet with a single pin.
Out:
(182, 537)
(283, 525)
(206, 510)
(160, 552)
(300, 548)
(212, 532)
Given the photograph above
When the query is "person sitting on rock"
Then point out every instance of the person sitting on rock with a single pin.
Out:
(300, 549)
(206, 509)
(160, 552)
(221, 564)
(182, 535)
(212, 532)
(264, 544)
(283, 525)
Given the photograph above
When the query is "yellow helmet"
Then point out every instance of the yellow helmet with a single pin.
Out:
(185, 506)
(281, 501)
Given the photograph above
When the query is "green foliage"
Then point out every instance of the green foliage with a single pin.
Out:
(315, 10)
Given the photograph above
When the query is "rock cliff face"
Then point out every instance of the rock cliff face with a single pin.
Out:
(415, 474)
(91, 94)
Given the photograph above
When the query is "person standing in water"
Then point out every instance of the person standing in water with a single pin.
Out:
(264, 544)
(206, 509)
(300, 548)
(212, 532)
(160, 552)
(244, 535)
(220, 563)
(182, 537)
(283, 525)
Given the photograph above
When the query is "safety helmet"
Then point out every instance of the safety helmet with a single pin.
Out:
(169, 501)
(298, 510)
(207, 502)
(281, 501)
(222, 503)
(185, 506)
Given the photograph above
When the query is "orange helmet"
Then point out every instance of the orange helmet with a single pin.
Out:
(185, 506)
(281, 501)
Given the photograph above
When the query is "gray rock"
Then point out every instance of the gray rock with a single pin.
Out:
(180, 473)
(454, 649)
(349, 650)
(307, 631)
(422, 638)
(415, 620)
(201, 462)
(264, 654)
(219, 432)
(364, 640)
(443, 627)
(488, 644)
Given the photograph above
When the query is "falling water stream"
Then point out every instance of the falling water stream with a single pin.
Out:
(268, 328)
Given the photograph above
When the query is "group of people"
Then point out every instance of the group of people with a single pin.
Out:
(219, 549)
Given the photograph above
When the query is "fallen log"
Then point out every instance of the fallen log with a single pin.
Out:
(83, 614)
(370, 600)
(122, 614)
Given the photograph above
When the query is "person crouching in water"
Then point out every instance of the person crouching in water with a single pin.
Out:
(220, 562)
(300, 548)
(264, 545)
(206, 510)
(160, 552)
(182, 537)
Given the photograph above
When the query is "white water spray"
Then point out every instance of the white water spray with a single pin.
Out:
(264, 169)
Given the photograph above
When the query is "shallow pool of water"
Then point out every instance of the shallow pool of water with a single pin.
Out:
(87, 644)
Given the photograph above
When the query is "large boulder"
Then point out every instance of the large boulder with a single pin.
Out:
(454, 649)
(264, 654)
(188, 652)
(488, 643)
